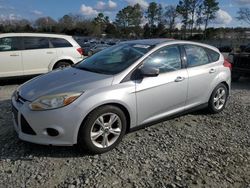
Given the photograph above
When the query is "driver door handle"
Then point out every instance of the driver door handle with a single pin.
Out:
(179, 79)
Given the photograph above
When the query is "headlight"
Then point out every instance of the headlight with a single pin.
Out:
(54, 101)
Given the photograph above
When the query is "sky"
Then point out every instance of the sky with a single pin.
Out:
(33, 9)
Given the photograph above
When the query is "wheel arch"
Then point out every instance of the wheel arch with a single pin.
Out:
(62, 60)
(119, 105)
(226, 84)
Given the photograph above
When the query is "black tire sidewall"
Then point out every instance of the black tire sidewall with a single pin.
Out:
(84, 139)
(211, 107)
(59, 64)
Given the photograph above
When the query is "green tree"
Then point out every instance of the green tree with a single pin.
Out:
(154, 14)
(111, 30)
(101, 19)
(183, 9)
(45, 24)
(100, 23)
(199, 20)
(170, 17)
(129, 20)
(194, 7)
(210, 7)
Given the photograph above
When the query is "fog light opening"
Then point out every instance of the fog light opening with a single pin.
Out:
(52, 132)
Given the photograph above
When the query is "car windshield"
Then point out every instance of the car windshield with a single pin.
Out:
(114, 59)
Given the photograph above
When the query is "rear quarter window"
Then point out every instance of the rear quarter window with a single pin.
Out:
(60, 43)
(196, 55)
(213, 55)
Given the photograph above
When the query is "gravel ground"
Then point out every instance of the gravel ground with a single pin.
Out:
(195, 150)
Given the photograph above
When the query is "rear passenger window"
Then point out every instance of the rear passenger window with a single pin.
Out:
(214, 56)
(196, 56)
(31, 43)
(10, 44)
(60, 43)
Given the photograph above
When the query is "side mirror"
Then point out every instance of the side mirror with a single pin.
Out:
(149, 71)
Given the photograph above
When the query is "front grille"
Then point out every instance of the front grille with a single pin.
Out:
(15, 113)
(25, 127)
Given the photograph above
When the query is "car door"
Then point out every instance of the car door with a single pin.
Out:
(166, 93)
(201, 73)
(11, 57)
(37, 55)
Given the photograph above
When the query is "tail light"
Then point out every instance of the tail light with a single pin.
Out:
(80, 50)
(227, 64)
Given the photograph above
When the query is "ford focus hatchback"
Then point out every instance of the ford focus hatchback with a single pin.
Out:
(95, 102)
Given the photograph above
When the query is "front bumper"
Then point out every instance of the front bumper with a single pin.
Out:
(66, 121)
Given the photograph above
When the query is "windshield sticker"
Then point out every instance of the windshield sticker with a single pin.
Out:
(141, 46)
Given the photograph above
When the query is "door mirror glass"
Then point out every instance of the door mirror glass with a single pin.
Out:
(147, 71)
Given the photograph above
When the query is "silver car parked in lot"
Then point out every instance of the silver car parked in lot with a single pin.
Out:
(135, 83)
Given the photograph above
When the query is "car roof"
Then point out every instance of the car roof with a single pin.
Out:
(34, 35)
(159, 41)
(152, 42)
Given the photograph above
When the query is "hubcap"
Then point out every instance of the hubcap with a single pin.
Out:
(106, 130)
(219, 98)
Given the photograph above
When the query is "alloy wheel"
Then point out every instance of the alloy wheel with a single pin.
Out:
(106, 130)
(219, 98)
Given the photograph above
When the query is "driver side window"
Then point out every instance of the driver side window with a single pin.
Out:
(9, 44)
(165, 59)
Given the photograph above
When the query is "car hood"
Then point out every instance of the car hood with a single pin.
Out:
(61, 81)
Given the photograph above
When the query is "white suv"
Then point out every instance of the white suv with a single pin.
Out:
(30, 54)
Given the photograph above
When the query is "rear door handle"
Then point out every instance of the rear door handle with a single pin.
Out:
(179, 79)
(212, 71)
(50, 52)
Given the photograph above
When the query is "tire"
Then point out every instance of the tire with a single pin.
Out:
(93, 134)
(61, 64)
(218, 99)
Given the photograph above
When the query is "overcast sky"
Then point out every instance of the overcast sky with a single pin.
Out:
(33, 9)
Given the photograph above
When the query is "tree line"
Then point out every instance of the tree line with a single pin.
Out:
(191, 16)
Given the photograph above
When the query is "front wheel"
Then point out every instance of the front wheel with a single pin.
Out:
(218, 99)
(102, 130)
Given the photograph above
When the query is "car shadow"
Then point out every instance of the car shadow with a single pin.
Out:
(242, 84)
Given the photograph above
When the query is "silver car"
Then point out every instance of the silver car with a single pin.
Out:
(136, 83)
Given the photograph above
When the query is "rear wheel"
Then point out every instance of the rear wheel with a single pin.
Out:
(102, 130)
(62, 64)
(218, 99)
